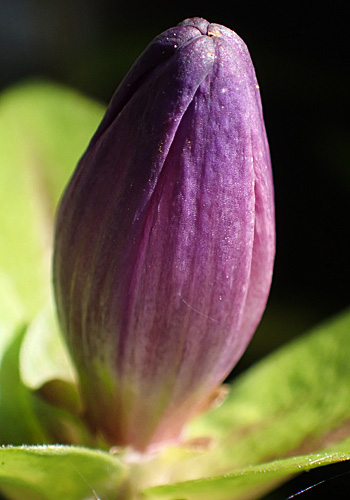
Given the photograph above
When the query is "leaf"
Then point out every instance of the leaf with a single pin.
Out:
(11, 310)
(295, 401)
(44, 129)
(50, 414)
(61, 472)
(243, 484)
(19, 422)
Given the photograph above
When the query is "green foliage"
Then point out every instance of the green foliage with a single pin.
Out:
(304, 386)
(242, 484)
(19, 423)
(57, 472)
(43, 131)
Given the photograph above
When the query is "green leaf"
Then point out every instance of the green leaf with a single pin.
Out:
(243, 484)
(19, 423)
(294, 401)
(44, 129)
(61, 472)
(11, 310)
(49, 414)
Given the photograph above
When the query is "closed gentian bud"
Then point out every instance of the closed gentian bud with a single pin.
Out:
(165, 236)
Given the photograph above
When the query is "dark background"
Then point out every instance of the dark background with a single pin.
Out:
(301, 56)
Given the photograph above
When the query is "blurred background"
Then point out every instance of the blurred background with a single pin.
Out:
(301, 55)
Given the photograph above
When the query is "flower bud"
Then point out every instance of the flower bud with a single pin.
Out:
(165, 236)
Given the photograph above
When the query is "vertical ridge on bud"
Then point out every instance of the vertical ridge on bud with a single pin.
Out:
(165, 236)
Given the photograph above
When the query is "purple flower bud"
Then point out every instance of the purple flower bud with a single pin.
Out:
(165, 236)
